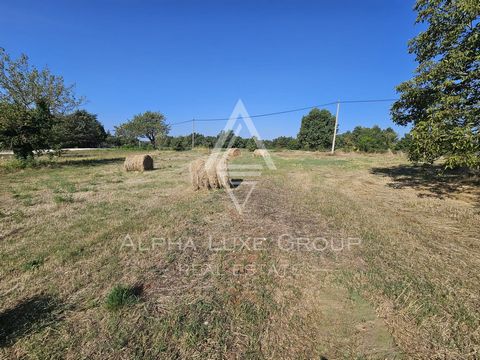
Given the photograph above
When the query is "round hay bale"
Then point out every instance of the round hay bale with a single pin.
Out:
(260, 152)
(198, 175)
(138, 163)
(210, 174)
(233, 153)
(211, 170)
(222, 173)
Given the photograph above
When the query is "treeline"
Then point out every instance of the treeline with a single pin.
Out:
(82, 129)
(372, 139)
(363, 139)
(316, 133)
(38, 112)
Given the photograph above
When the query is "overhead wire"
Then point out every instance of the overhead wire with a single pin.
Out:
(286, 111)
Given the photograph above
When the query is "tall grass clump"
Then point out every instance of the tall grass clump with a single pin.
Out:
(121, 296)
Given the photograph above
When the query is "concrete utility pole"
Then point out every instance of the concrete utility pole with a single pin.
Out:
(335, 130)
(193, 134)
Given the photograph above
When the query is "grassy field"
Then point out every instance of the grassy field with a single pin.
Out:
(350, 256)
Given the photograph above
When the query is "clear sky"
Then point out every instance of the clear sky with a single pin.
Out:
(197, 58)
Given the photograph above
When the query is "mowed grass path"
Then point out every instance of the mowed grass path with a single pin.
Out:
(72, 232)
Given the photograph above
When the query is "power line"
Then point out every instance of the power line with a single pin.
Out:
(180, 122)
(289, 111)
(366, 101)
(273, 113)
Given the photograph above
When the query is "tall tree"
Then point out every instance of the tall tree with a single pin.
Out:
(80, 129)
(442, 100)
(150, 125)
(316, 131)
(29, 100)
(25, 130)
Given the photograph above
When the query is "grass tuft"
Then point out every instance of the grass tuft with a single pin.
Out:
(63, 199)
(122, 295)
(33, 264)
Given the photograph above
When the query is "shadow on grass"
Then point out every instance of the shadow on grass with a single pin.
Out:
(28, 316)
(56, 164)
(89, 162)
(433, 180)
(236, 183)
(75, 155)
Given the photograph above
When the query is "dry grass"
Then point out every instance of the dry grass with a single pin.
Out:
(411, 289)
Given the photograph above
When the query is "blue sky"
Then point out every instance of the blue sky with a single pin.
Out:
(197, 58)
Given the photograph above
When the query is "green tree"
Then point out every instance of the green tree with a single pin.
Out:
(366, 139)
(251, 144)
(80, 129)
(390, 138)
(25, 130)
(178, 143)
(293, 144)
(112, 140)
(150, 125)
(316, 131)
(369, 139)
(30, 99)
(285, 142)
(282, 142)
(441, 101)
(346, 141)
(239, 142)
(404, 143)
(224, 138)
(209, 141)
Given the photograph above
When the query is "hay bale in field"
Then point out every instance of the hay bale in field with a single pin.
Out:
(222, 173)
(198, 175)
(233, 153)
(210, 174)
(260, 152)
(211, 170)
(138, 163)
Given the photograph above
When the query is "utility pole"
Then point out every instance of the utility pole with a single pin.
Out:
(336, 125)
(193, 134)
